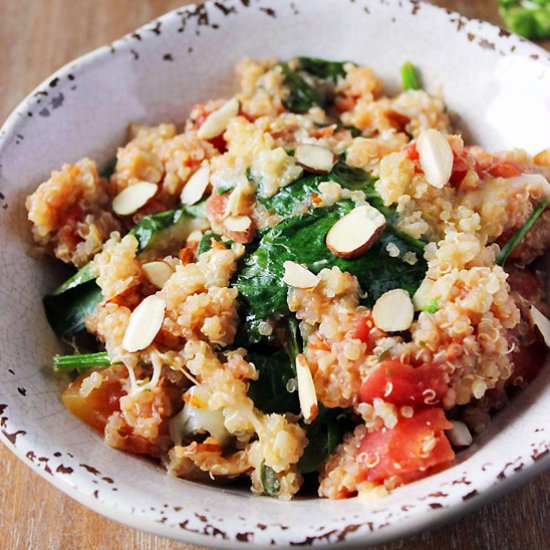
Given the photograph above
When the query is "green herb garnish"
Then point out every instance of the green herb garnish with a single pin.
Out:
(409, 76)
(82, 361)
(516, 239)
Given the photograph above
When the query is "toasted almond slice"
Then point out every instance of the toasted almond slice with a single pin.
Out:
(541, 322)
(393, 311)
(315, 158)
(306, 390)
(459, 435)
(353, 234)
(216, 122)
(298, 276)
(436, 157)
(196, 186)
(132, 198)
(145, 322)
(157, 272)
(237, 224)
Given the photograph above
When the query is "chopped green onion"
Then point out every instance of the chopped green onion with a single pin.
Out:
(510, 246)
(410, 77)
(67, 363)
(431, 307)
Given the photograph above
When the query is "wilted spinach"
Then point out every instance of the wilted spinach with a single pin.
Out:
(67, 306)
(311, 83)
(302, 239)
(324, 434)
(269, 392)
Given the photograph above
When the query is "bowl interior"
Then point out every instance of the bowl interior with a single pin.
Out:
(156, 75)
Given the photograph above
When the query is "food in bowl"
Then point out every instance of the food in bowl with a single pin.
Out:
(313, 281)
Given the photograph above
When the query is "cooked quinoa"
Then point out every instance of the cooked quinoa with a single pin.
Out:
(309, 279)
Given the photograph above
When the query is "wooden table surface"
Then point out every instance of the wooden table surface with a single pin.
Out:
(37, 37)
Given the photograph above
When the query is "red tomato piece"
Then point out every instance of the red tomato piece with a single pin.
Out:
(366, 331)
(414, 448)
(403, 384)
(505, 169)
(460, 169)
(412, 151)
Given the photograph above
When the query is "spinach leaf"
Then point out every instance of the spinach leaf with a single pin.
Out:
(67, 310)
(224, 188)
(108, 169)
(270, 481)
(269, 392)
(324, 434)
(205, 243)
(292, 198)
(82, 276)
(67, 307)
(150, 227)
(302, 239)
(323, 68)
(301, 96)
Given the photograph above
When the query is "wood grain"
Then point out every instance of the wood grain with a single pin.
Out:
(38, 36)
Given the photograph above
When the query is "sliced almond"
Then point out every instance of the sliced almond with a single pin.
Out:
(216, 122)
(353, 234)
(157, 272)
(196, 186)
(393, 311)
(541, 322)
(315, 158)
(145, 322)
(459, 435)
(306, 390)
(237, 224)
(132, 198)
(298, 276)
(436, 157)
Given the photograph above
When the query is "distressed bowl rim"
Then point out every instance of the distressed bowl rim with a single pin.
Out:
(412, 525)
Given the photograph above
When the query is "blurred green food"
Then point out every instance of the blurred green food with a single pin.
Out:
(530, 18)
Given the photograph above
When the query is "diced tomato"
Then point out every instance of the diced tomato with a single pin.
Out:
(72, 215)
(505, 169)
(403, 384)
(412, 151)
(96, 407)
(460, 169)
(414, 448)
(248, 117)
(68, 238)
(366, 331)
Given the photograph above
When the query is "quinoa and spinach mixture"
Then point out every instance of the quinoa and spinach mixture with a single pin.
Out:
(310, 284)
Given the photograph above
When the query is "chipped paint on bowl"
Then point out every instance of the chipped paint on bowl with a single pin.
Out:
(155, 74)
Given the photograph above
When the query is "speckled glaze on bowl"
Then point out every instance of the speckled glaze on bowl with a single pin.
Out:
(500, 85)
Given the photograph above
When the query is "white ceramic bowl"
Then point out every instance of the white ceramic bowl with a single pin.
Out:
(500, 85)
